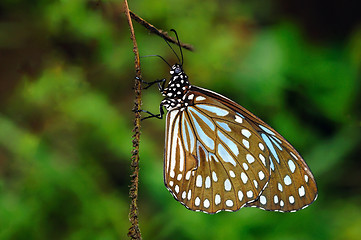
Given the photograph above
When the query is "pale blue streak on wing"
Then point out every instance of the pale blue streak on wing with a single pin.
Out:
(224, 126)
(219, 111)
(184, 133)
(270, 146)
(225, 156)
(191, 136)
(272, 166)
(203, 136)
(266, 130)
(240, 115)
(276, 143)
(275, 138)
(204, 118)
(228, 142)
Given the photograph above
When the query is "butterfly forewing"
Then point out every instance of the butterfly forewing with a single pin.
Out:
(223, 163)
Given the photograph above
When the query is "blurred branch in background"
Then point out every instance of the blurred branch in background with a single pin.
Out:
(159, 32)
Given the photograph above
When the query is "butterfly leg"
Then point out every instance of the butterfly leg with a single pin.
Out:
(152, 115)
(160, 83)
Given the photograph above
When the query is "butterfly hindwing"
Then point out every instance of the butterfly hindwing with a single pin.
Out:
(292, 186)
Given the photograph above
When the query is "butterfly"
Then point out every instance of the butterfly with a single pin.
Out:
(221, 157)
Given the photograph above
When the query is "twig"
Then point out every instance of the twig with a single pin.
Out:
(134, 231)
(159, 32)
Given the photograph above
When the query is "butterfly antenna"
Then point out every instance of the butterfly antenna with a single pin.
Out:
(180, 48)
(159, 57)
(172, 48)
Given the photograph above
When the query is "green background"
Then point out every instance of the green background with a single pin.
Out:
(66, 79)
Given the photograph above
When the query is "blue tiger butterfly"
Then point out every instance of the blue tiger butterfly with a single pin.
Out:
(221, 157)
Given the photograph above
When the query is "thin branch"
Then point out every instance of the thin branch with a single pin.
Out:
(134, 231)
(159, 32)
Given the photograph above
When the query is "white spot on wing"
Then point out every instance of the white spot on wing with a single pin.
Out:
(301, 191)
(244, 177)
(261, 175)
(245, 166)
(306, 178)
(291, 165)
(214, 176)
(238, 119)
(217, 199)
(240, 195)
(206, 203)
(184, 194)
(249, 194)
(291, 199)
(208, 182)
(275, 199)
(229, 203)
(261, 146)
(263, 200)
(287, 180)
(199, 181)
(246, 133)
(197, 201)
(200, 98)
(227, 185)
(245, 143)
(250, 158)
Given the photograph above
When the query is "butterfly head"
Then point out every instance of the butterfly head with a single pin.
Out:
(177, 70)
(177, 87)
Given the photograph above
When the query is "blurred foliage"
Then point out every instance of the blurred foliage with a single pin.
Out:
(66, 78)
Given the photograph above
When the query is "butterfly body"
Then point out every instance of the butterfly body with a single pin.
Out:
(219, 156)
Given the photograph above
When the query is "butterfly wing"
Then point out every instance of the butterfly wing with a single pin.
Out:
(214, 159)
(291, 186)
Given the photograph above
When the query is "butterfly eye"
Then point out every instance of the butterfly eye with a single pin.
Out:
(177, 70)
